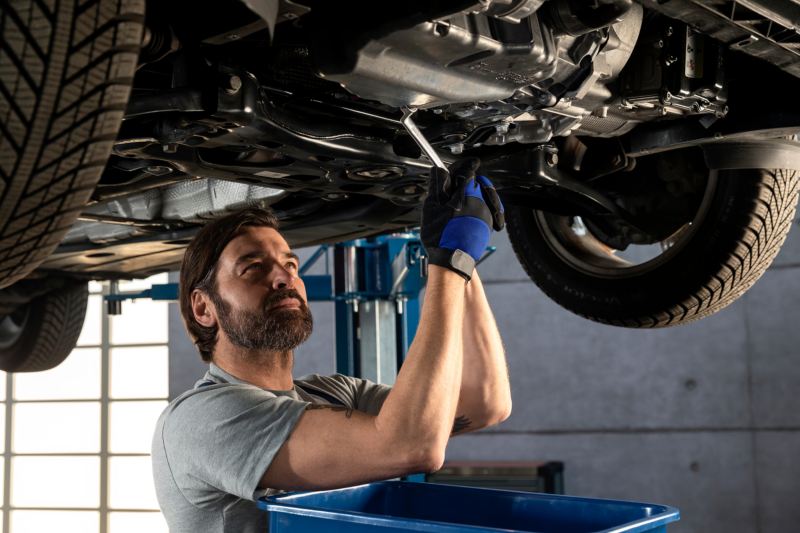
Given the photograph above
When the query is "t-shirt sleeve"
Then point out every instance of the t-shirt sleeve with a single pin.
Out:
(226, 437)
(370, 395)
(362, 394)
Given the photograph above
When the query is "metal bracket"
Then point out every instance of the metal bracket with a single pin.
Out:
(536, 171)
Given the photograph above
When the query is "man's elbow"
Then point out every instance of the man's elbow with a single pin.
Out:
(425, 459)
(498, 412)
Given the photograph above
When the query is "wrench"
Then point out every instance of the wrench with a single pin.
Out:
(420, 139)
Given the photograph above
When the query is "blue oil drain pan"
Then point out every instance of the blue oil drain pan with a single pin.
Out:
(408, 506)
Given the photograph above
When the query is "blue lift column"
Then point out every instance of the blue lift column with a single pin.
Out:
(375, 287)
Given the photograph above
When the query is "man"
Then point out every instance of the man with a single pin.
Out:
(249, 429)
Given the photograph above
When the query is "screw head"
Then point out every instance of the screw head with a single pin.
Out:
(551, 159)
(158, 170)
(233, 84)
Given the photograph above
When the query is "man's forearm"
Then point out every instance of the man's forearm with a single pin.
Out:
(485, 396)
(421, 407)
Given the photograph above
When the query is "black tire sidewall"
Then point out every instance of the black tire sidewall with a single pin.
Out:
(46, 317)
(651, 296)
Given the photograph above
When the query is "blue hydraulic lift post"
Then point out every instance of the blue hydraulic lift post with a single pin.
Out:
(346, 310)
(376, 279)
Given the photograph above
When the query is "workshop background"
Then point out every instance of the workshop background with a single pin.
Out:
(704, 417)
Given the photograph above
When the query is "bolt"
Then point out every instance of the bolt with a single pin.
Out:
(442, 29)
(437, 111)
(233, 84)
(659, 44)
(158, 170)
(670, 31)
(456, 148)
(551, 159)
(170, 148)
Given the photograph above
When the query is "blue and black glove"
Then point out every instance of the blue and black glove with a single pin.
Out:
(458, 216)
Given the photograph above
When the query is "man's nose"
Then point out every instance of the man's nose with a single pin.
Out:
(282, 278)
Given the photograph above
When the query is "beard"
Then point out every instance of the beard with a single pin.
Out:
(277, 330)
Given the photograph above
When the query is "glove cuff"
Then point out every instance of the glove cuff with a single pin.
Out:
(458, 261)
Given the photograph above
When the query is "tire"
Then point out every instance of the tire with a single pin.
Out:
(41, 334)
(65, 78)
(748, 214)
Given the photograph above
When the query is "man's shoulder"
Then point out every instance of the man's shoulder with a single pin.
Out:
(329, 382)
(327, 379)
(214, 399)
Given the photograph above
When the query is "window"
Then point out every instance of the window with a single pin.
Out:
(77, 437)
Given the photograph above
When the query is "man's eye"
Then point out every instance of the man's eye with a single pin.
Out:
(254, 266)
(291, 266)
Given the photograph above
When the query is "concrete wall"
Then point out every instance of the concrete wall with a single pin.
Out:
(705, 417)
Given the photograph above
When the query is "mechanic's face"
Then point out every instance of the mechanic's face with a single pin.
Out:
(260, 300)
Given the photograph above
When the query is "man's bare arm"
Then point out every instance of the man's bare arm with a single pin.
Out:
(333, 448)
(485, 395)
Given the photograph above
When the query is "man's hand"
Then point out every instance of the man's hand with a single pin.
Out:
(458, 216)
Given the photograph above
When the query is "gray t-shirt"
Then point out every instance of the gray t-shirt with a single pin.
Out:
(213, 444)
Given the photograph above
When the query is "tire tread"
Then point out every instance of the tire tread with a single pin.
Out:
(65, 115)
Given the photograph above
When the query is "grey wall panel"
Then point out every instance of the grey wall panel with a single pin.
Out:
(773, 316)
(502, 265)
(185, 365)
(318, 354)
(568, 372)
(707, 475)
(778, 468)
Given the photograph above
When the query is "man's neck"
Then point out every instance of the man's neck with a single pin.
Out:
(268, 370)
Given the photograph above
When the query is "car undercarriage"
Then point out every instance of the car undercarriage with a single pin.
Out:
(609, 127)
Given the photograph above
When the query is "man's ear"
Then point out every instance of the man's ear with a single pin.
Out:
(202, 309)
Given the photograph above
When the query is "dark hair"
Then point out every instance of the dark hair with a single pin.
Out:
(198, 270)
